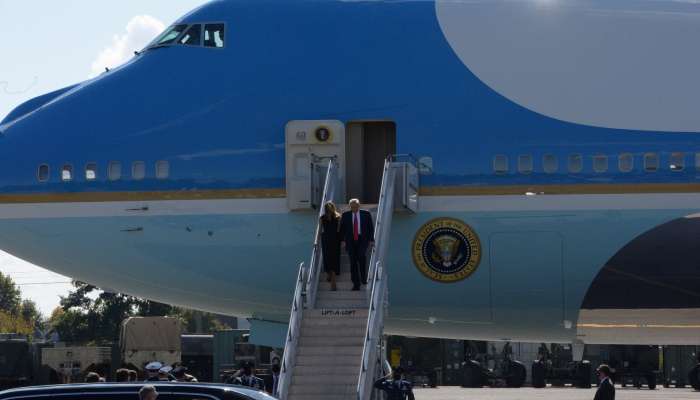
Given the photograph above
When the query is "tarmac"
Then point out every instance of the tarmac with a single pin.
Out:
(458, 393)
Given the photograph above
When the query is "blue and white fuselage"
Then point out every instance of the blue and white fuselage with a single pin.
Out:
(565, 134)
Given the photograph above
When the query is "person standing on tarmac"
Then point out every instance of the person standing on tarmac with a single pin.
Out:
(606, 389)
(396, 388)
(152, 371)
(245, 377)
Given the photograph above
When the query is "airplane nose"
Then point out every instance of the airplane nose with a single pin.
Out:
(27, 108)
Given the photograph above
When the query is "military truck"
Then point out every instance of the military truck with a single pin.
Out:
(146, 339)
(15, 361)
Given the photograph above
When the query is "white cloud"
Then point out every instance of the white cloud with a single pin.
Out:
(139, 32)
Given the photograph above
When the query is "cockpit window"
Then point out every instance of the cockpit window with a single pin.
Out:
(214, 35)
(192, 37)
(170, 35)
(209, 35)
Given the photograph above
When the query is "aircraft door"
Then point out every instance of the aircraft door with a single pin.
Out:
(309, 144)
(407, 187)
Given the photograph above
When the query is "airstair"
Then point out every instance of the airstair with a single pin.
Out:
(333, 348)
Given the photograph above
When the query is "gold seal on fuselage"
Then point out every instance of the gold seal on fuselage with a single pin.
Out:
(323, 134)
(446, 250)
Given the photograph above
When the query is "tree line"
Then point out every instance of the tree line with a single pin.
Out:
(89, 315)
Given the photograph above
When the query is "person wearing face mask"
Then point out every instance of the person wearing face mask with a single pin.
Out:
(606, 388)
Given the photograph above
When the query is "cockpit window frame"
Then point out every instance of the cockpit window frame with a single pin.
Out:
(204, 28)
(201, 36)
(154, 44)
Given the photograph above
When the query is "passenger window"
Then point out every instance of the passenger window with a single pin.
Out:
(193, 36)
(550, 163)
(600, 163)
(677, 162)
(214, 35)
(625, 162)
(67, 173)
(525, 164)
(91, 171)
(500, 164)
(170, 35)
(575, 163)
(162, 169)
(651, 162)
(138, 170)
(43, 173)
(114, 170)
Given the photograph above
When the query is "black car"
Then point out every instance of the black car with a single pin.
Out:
(129, 391)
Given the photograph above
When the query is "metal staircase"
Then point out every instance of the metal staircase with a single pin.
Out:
(333, 347)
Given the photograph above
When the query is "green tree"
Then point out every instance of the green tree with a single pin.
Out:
(71, 326)
(10, 296)
(94, 316)
(88, 315)
(198, 321)
(29, 311)
(14, 323)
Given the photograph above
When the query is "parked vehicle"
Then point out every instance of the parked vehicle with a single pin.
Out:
(15, 362)
(129, 391)
(146, 339)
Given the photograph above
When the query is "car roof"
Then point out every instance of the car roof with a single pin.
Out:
(200, 388)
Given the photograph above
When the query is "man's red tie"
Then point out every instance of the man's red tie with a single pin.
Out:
(355, 233)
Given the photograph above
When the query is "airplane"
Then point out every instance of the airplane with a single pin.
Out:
(557, 143)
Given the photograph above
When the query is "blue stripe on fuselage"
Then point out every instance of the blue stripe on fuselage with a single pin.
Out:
(218, 115)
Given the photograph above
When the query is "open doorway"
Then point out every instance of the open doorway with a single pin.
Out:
(367, 146)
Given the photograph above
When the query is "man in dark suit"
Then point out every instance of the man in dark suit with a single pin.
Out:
(357, 232)
(606, 389)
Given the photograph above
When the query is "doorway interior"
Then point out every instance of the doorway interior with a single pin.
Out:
(368, 143)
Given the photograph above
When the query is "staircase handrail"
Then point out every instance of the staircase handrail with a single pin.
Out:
(292, 338)
(316, 263)
(306, 289)
(378, 288)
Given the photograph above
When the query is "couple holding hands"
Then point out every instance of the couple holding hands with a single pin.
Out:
(355, 230)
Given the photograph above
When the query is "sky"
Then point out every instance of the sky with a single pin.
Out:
(46, 45)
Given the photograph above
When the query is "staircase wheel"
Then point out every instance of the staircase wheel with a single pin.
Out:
(651, 381)
(694, 377)
(517, 374)
(583, 375)
(538, 374)
(473, 376)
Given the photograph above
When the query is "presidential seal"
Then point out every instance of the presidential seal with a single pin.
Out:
(323, 134)
(446, 250)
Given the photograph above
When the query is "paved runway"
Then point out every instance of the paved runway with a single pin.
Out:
(457, 393)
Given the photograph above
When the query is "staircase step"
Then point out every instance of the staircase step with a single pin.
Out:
(323, 389)
(325, 379)
(341, 285)
(343, 294)
(323, 397)
(330, 351)
(317, 361)
(357, 331)
(312, 323)
(313, 341)
(341, 304)
(343, 277)
(306, 370)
